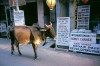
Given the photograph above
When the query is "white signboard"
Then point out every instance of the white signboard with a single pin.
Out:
(83, 37)
(19, 18)
(63, 30)
(85, 47)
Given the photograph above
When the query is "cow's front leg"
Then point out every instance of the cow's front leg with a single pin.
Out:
(35, 50)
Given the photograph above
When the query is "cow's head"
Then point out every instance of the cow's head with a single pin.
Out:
(50, 32)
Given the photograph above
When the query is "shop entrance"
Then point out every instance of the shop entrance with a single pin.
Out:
(30, 12)
(94, 13)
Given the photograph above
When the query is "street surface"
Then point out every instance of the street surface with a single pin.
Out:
(46, 56)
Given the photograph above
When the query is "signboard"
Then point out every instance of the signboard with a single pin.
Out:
(83, 15)
(84, 42)
(63, 30)
(2, 27)
(20, 2)
(83, 37)
(85, 47)
(19, 18)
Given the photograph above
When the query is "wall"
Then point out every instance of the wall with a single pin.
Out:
(63, 10)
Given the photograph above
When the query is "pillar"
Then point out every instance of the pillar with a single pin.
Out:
(40, 13)
(72, 9)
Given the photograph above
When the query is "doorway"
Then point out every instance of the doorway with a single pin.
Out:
(30, 12)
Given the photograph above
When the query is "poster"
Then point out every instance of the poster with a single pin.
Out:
(63, 31)
(83, 15)
(19, 18)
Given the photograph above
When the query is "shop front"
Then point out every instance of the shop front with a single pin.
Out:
(30, 11)
(88, 16)
(86, 36)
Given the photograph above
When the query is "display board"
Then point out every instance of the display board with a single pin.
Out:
(19, 18)
(85, 47)
(83, 15)
(83, 37)
(63, 31)
(84, 42)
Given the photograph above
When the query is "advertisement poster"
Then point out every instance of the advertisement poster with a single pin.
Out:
(19, 18)
(63, 31)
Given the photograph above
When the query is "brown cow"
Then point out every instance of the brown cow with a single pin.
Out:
(30, 34)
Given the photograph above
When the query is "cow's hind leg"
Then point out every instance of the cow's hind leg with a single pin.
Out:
(35, 50)
(12, 48)
(12, 42)
(17, 45)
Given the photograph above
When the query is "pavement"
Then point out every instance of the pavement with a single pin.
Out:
(46, 56)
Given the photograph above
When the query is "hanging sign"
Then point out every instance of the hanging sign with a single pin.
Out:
(19, 18)
(63, 31)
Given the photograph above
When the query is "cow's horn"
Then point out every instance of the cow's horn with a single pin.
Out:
(50, 23)
(46, 25)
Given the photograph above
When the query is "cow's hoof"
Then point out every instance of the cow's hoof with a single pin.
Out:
(12, 53)
(35, 58)
(20, 54)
